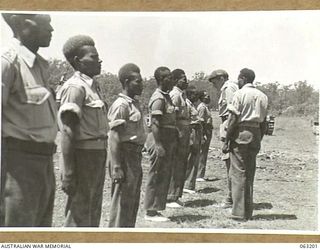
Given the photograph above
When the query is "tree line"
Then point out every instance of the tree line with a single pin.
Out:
(297, 99)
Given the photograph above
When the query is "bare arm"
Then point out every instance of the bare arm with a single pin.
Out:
(232, 123)
(114, 140)
(69, 121)
(155, 122)
(263, 127)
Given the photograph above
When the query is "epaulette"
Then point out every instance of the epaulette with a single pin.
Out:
(157, 95)
(9, 54)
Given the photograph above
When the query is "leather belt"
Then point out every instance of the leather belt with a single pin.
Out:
(42, 148)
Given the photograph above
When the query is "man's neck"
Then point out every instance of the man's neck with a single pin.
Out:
(29, 45)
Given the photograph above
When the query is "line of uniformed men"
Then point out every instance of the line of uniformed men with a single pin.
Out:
(29, 129)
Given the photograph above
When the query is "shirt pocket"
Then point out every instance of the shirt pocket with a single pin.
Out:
(95, 116)
(36, 108)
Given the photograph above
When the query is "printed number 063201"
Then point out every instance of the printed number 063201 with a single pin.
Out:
(308, 246)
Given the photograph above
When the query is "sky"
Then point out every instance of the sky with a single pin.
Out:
(281, 46)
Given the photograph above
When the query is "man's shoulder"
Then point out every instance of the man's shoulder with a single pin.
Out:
(201, 106)
(72, 84)
(230, 84)
(10, 55)
(157, 95)
(120, 102)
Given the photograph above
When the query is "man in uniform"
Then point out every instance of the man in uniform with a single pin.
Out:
(28, 125)
(194, 142)
(204, 113)
(246, 127)
(221, 82)
(161, 145)
(126, 140)
(178, 98)
(84, 127)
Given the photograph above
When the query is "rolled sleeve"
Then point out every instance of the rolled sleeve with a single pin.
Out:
(7, 78)
(157, 107)
(71, 107)
(202, 112)
(176, 99)
(72, 99)
(234, 107)
(117, 115)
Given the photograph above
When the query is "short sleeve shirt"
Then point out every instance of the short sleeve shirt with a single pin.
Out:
(204, 113)
(28, 104)
(126, 111)
(161, 104)
(194, 114)
(227, 91)
(249, 104)
(80, 95)
(179, 101)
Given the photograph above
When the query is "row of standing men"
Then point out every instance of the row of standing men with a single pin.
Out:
(29, 128)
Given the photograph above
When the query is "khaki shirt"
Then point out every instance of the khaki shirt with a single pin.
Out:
(205, 114)
(249, 105)
(126, 111)
(160, 104)
(80, 95)
(227, 91)
(179, 101)
(28, 105)
(194, 114)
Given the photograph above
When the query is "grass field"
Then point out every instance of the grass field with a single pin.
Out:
(285, 189)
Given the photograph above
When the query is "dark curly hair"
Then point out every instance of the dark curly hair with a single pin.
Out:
(73, 45)
(126, 71)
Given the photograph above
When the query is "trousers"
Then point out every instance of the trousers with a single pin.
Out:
(180, 164)
(204, 149)
(159, 174)
(125, 196)
(84, 207)
(27, 189)
(244, 150)
(193, 158)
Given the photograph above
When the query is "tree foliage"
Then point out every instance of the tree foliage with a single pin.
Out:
(299, 98)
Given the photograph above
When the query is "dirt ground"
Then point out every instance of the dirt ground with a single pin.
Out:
(285, 189)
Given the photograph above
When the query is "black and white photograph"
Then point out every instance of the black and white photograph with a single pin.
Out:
(160, 121)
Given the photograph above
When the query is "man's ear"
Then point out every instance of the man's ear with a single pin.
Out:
(28, 23)
(76, 61)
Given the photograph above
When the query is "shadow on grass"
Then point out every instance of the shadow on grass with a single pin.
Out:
(262, 205)
(187, 218)
(208, 190)
(274, 217)
(212, 179)
(199, 203)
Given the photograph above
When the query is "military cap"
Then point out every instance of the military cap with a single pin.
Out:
(216, 73)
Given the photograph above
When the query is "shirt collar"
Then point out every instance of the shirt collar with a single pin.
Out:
(227, 83)
(248, 85)
(88, 80)
(28, 56)
(127, 98)
(162, 92)
(177, 88)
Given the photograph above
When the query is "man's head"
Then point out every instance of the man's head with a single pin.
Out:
(245, 76)
(130, 78)
(218, 78)
(204, 97)
(32, 30)
(81, 53)
(192, 94)
(163, 77)
(179, 79)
